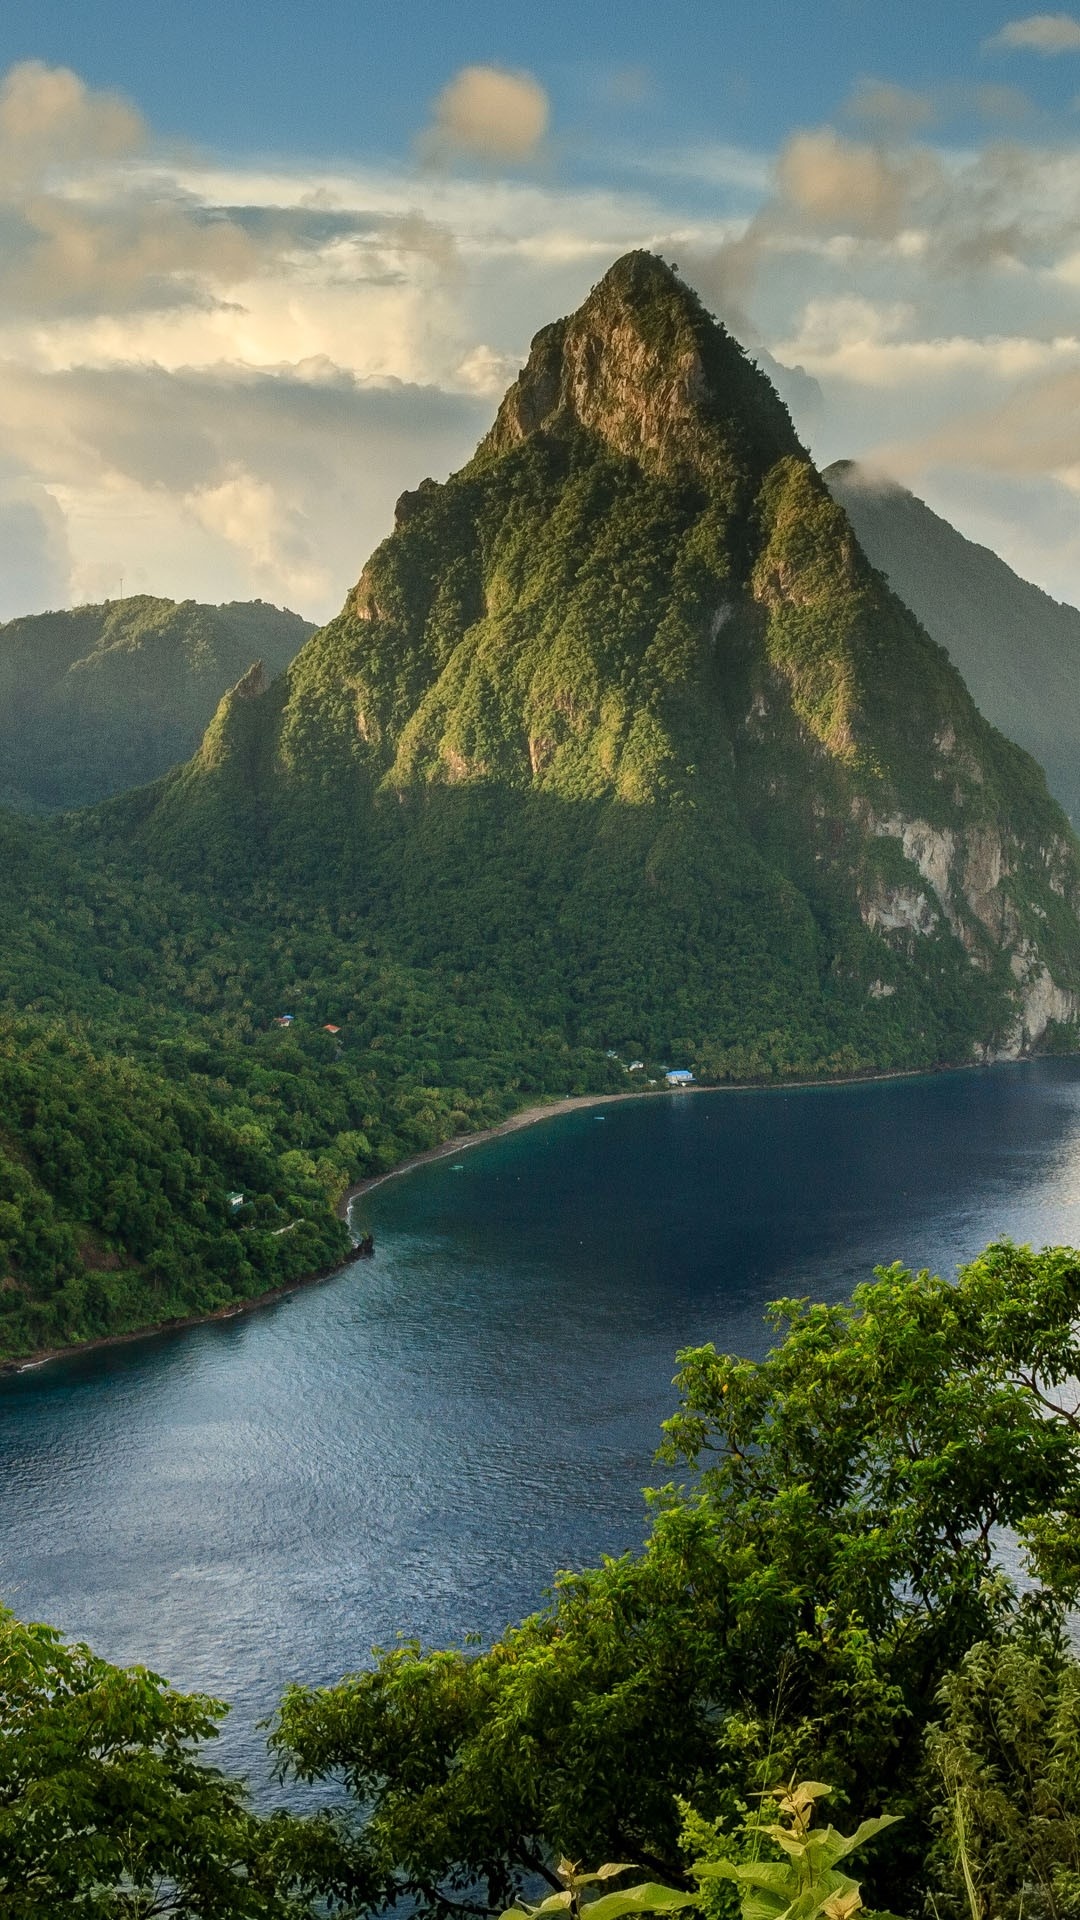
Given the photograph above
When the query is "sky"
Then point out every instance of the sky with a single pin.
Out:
(264, 267)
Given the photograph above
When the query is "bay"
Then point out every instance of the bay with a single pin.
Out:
(414, 1446)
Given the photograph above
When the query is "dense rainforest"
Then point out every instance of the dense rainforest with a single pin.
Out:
(101, 698)
(812, 1693)
(620, 749)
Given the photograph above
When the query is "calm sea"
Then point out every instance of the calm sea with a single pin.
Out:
(414, 1446)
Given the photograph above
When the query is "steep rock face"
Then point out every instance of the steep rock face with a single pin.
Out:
(967, 876)
(641, 372)
(623, 713)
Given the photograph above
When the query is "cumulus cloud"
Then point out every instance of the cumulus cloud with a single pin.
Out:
(901, 111)
(845, 183)
(277, 538)
(49, 118)
(1045, 33)
(488, 113)
(227, 480)
(76, 234)
(65, 257)
(216, 378)
(998, 224)
(35, 562)
(485, 371)
(1032, 431)
(900, 108)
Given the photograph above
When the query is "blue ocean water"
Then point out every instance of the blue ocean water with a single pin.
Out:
(414, 1446)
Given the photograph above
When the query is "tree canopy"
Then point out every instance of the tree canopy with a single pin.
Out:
(797, 1605)
(821, 1599)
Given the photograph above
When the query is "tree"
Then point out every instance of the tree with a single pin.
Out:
(106, 1810)
(1005, 1762)
(800, 1599)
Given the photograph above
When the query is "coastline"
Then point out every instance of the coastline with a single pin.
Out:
(573, 1102)
(461, 1143)
(524, 1117)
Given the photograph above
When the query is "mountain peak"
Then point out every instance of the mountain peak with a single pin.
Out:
(642, 276)
(643, 365)
(855, 476)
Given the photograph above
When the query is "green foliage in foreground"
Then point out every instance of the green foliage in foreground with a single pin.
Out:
(1005, 1761)
(796, 1607)
(820, 1597)
(106, 1810)
(783, 1868)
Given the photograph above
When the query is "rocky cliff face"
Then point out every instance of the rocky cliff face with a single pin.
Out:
(966, 874)
(634, 652)
(653, 378)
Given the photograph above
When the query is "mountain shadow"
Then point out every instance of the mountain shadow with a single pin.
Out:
(1017, 649)
(102, 698)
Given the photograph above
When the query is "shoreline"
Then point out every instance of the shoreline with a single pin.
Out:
(461, 1143)
(574, 1102)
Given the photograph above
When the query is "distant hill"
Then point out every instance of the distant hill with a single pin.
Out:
(1018, 649)
(102, 698)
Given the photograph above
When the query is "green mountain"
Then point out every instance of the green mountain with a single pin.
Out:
(102, 698)
(1018, 649)
(620, 748)
(622, 713)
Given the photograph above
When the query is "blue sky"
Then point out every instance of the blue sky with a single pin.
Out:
(345, 77)
(263, 266)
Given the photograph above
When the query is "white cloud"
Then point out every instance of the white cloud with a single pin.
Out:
(223, 482)
(906, 110)
(35, 563)
(484, 371)
(1045, 33)
(488, 113)
(1034, 430)
(839, 182)
(217, 378)
(277, 537)
(49, 118)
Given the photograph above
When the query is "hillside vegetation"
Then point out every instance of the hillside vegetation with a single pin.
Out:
(1018, 649)
(620, 748)
(102, 698)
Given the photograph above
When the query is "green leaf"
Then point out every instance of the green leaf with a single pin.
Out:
(649, 1897)
(757, 1904)
(866, 1831)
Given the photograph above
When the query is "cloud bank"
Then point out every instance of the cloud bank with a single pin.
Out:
(216, 378)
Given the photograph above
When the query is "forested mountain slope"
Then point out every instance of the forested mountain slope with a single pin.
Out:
(101, 698)
(619, 748)
(622, 712)
(1017, 649)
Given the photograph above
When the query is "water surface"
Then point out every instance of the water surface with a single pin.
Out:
(414, 1446)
